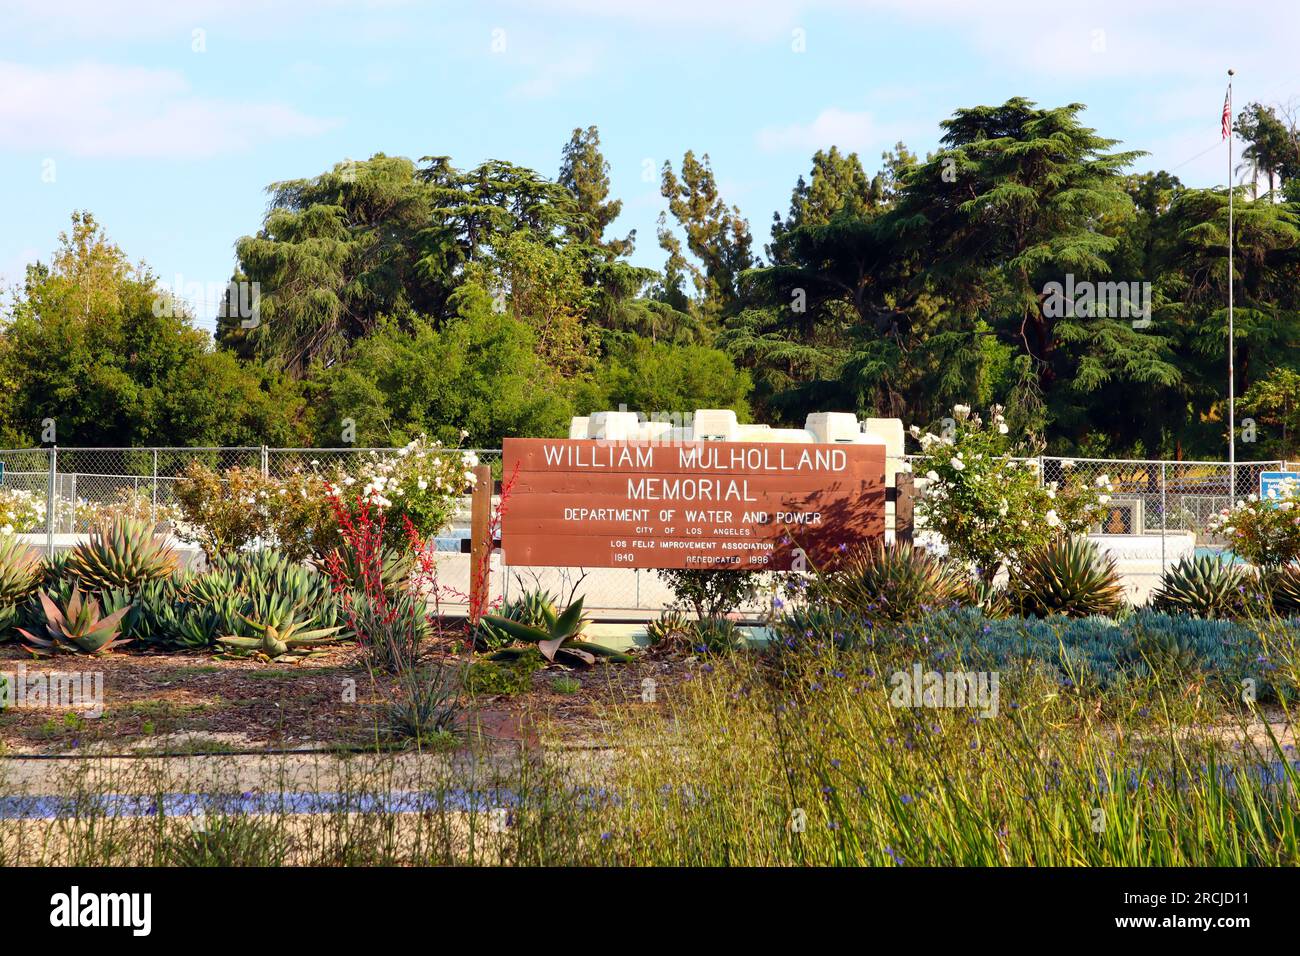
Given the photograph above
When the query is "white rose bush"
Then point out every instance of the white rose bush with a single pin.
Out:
(1264, 531)
(984, 496)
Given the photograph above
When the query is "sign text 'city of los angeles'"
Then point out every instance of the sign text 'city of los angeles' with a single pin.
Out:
(748, 505)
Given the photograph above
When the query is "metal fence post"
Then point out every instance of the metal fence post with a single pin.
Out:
(49, 501)
(153, 507)
(1164, 514)
(266, 463)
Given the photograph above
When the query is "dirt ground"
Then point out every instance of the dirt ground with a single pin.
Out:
(169, 703)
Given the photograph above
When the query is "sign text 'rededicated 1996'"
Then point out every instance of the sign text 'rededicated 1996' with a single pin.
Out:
(597, 504)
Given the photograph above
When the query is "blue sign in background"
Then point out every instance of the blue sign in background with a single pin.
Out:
(1270, 483)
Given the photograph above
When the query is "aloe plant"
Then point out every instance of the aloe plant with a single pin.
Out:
(20, 575)
(122, 553)
(557, 638)
(76, 628)
(281, 628)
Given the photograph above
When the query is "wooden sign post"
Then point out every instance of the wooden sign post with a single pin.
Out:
(480, 547)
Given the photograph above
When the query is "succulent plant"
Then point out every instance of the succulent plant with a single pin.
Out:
(715, 635)
(893, 583)
(280, 626)
(122, 553)
(556, 639)
(21, 571)
(531, 609)
(1283, 585)
(55, 568)
(76, 628)
(395, 569)
(818, 622)
(670, 627)
(1068, 576)
(1202, 586)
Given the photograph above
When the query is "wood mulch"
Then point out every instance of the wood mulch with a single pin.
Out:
(207, 703)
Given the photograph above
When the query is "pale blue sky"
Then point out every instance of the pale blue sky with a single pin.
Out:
(172, 149)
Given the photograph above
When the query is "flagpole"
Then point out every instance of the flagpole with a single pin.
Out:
(1232, 384)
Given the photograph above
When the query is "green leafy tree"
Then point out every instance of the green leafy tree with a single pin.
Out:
(717, 235)
(93, 344)
(585, 173)
(480, 373)
(1017, 198)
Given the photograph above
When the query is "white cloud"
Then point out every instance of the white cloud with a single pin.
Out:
(850, 131)
(550, 77)
(102, 110)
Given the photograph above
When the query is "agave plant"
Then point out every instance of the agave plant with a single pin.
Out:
(122, 553)
(819, 623)
(395, 569)
(1202, 586)
(893, 583)
(1069, 576)
(76, 628)
(530, 609)
(557, 638)
(715, 635)
(671, 627)
(20, 574)
(280, 627)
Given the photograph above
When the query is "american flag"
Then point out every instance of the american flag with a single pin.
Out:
(1227, 114)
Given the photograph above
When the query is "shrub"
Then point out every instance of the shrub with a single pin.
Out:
(712, 593)
(1069, 577)
(988, 507)
(222, 512)
(1202, 586)
(1266, 532)
(135, 503)
(893, 583)
(21, 511)
(418, 487)
(505, 678)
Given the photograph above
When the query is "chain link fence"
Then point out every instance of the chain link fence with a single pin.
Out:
(1157, 509)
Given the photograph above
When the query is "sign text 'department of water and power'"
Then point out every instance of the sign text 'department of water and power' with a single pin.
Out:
(747, 505)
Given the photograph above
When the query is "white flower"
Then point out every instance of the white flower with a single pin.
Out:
(915, 431)
(1068, 463)
(422, 484)
(957, 464)
(1103, 499)
(962, 412)
(1052, 520)
(1102, 481)
(932, 475)
(464, 434)
(1002, 428)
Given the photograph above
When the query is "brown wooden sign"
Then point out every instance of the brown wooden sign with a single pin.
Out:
(746, 505)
